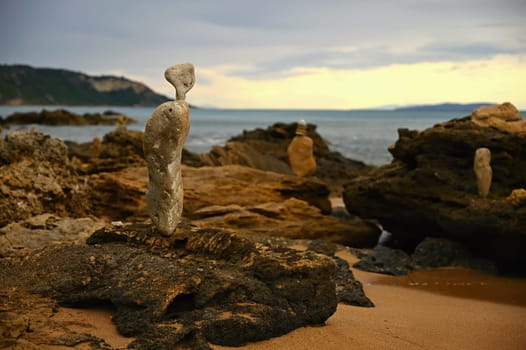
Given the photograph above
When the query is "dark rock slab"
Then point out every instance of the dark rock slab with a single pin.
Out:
(203, 286)
(349, 290)
(430, 253)
(438, 252)
(386, 261)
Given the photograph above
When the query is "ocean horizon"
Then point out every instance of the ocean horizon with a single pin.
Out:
(362, 135)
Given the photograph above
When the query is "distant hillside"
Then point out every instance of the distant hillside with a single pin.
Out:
(446, 107)
(25, 85)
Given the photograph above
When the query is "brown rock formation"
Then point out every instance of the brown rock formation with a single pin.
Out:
(199, 287)
(118, 150)
(266, 149)
(265, 203)
(505, 117)
(430, 189)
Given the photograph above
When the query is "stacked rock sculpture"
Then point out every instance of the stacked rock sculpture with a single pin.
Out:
(164, 137)
(301, 152)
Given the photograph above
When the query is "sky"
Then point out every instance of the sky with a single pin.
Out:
(300, 54)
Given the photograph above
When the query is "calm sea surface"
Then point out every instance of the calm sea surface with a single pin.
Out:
(358, 134)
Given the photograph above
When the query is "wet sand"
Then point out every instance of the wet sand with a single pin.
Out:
(451, 308)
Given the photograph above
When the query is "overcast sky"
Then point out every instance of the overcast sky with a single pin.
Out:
(285, 54)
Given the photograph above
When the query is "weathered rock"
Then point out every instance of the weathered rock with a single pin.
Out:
(504, 117)
(349, 290)
(37, 232)
(386, 261)
(34, 145)
(164, 138)
(119, 195)
(36, 178)
(206, 186)
(239, 153)
(197, 286)
(260, 149)
(118, 150)
(517, 197)
(291, 218)
(64, 117)
(505, 112)
(430, 253)
(262, 200)
(266, 149)
(482, 169)
(430, 190)
(439, 252)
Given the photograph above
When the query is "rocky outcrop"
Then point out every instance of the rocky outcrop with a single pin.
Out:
(113, 181)
(294, 207)
(118, 195)
(36, 177)
(64, 117)
(428, 254)
(239, 153)
(207, 186)
(263, 149)
(118, 150)
(430, 190)
(20, 238)
(266, 149)
(505, 117)
(199, 287)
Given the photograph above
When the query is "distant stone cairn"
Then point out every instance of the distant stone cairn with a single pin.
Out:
(164, 138)
(301, 152)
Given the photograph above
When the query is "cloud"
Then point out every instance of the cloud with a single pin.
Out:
(260, 41)
(497, 79)
(374, 56)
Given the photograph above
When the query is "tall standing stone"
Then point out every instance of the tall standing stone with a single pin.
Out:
(164, 138)
(483, 171)
(301, 152)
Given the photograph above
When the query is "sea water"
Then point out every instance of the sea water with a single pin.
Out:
(363, 135)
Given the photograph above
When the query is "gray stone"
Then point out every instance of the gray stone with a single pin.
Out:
(164, 138)
(182, 77)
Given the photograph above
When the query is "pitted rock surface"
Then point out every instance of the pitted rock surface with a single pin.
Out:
(196, 287)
